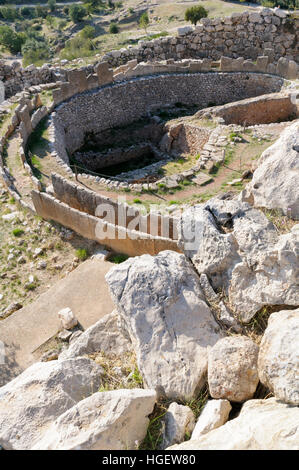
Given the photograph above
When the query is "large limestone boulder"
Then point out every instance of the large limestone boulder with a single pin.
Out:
(104, 336)
(240, 251)
(214, 415)
(276, 180)
(33, 400)
(278, 361)
(232, 368)
(261, 425)
(163, 310)
(115, 420)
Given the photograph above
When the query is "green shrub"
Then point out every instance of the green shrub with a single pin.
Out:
(18, 232)
(11, 40)
(144, 21)
(113, 28)
(82, 254)
(118, 258)
(88, 32)
(194, 14)
(77, 13)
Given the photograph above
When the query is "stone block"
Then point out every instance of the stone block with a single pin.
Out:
(261, 63)
(104, 73)
(77, 80)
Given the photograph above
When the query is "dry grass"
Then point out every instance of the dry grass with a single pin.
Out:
(282, 223)
(119, 371)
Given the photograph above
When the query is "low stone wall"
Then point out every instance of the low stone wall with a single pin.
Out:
(96, 161)
(116, 213)
(132, 243)
(260, 110)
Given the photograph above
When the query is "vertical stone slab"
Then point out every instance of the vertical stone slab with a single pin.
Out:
(77, 80)
(104, 73)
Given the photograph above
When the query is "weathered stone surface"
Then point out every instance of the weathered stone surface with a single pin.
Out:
(276, 180)
(232, 368)
(179, 422)
(240, 250)
(261, 425)
(105, 336)
(39, 395)
(115, 420)
(163, 310)
(278, 362)
(214, 415)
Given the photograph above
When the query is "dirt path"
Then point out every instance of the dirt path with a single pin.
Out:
(84, 290)
(22, 180)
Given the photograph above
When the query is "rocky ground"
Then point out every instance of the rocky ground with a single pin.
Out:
(201, 351)
(34, 254)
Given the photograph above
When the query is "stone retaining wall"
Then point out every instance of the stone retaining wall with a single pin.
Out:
(266, 32)
(119, 239)
(120, 214)
(270, 32)
(260, 110)
(123, 103)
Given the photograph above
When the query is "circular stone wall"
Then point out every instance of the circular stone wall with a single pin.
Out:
(123, 103)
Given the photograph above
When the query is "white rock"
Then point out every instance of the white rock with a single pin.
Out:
(232, 368)
(280, 13)
(10, 216)
(115, 420)
(261, 425)
(278, 361)
(276, 180)
(214, 415)
(105, 336)
(182, 31)
(34, 399)
(164, 313)
(251, 263)
(68, 319)
(179, 422)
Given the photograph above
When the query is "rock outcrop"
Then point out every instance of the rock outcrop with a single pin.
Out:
(232, 369)
(115, 420)
(163, 310)
(275, 182)
(278, 361)
(261, 425)
(240, 251)
(33, 400)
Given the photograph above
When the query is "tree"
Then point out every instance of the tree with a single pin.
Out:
(10, 39)
(35, 51)
(52, 5)
(41, 11)
(195, 14)
(77, 13)
(144, 21)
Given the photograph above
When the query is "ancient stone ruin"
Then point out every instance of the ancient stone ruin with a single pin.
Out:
(206, 307)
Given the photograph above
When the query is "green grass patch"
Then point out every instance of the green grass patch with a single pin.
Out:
(82, 254)
(18, 232)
